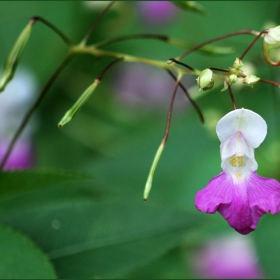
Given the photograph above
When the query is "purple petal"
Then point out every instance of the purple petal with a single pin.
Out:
(264, 196)
(240, 204)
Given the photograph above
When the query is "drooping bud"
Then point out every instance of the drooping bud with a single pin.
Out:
(205, 80)
(250, 80)
(271, 41)
(15, 55)
(68, 116)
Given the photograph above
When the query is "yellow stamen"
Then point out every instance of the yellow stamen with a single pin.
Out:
(240, 161)
(233, 160)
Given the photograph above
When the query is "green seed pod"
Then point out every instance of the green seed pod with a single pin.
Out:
(68, 116)
(14, 56)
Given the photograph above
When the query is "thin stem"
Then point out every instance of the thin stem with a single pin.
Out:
(239, 32)
(96, 21)
(254, 41)
(99, 78)
(129, 37)
(219, 69)
(54, 28)
(33, 108)
(231, 96)
(270, 82)
(181, 63)
(149, 181)
(167, 127)
(189, 97)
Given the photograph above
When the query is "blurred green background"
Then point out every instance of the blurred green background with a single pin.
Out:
(82, 203)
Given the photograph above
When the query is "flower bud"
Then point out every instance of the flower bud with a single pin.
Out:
(205, 80)
(232, 79)
(250, 80)
(271, 41)
(14, 56)
(237, 64)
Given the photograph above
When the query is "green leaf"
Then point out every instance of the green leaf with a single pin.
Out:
(20, 258)
(108, 239)
(21, 189)
(191, 6)
(15, 182)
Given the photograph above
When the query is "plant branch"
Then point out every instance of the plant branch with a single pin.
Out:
(166, 39)
(130, 58)
(96, 21)
(129, 37)
(254, 41)
(167, 127)
(189, 97)
(239, 32)
(231, 96)
(149, 181)
(180, 63)
(270, 82)
(33, 108)
(100, 77)
(54, 28)
(219, 69)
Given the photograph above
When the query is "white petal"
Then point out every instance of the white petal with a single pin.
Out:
(273, 36)
(252, 126)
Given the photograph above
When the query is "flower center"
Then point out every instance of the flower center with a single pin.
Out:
(237, 161)
(238, 166)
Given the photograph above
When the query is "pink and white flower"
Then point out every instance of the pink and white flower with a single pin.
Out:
(238, 193)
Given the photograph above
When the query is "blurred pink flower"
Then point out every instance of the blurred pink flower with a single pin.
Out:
(14, 103)
(156, 12)
(142, 86)
(21, 156)
(229, 257)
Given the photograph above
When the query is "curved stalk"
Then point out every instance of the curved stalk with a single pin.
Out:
(239, 32)
(96, 21)
(54, 28)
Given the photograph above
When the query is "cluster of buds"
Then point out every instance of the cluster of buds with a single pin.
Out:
(205, 80)
(271, 41)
